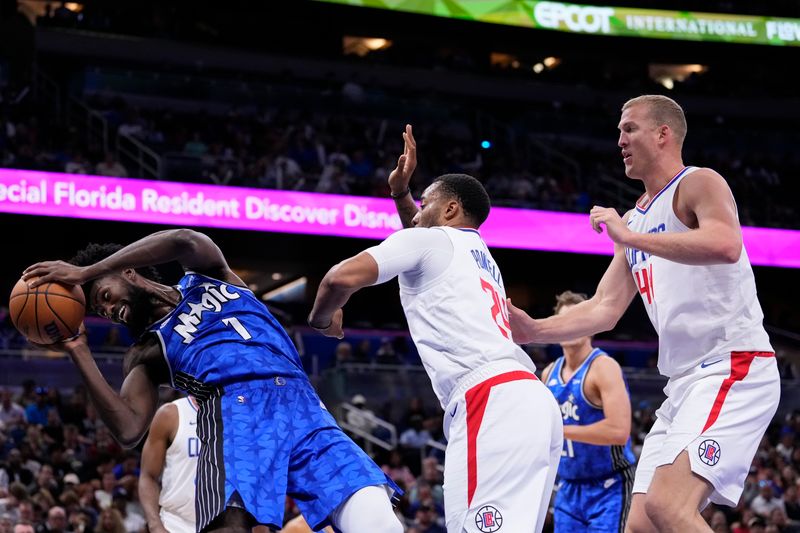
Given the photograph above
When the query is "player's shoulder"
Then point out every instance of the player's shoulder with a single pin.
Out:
(165, 422)
(703, 177)
(167, 411)
(703, 184)
(547, 371)
(604, 367)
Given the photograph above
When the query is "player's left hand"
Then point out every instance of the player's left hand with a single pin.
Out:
(334, 329)
(48, 271)
(615, 226)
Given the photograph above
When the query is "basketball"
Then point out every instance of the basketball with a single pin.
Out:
(48, 313)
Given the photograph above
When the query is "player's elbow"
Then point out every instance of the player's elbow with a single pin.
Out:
(620, 437)
(129, 437)
(730, 252)
(340, 278)
(187, 239)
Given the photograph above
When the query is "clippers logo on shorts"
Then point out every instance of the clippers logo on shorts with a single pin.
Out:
(709, 452)
(488, 519)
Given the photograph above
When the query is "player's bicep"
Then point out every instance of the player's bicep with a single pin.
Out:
(546, 373)
(201, 254)
(158, 440)
(613, 393)
(616, 288)
(140, 394)
(709, 197)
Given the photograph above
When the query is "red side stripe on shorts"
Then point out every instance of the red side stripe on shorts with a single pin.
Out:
(740, 366)
(477, 397)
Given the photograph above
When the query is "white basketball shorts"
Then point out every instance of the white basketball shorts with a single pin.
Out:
(176, 524)
(504, 437)
(717, 412)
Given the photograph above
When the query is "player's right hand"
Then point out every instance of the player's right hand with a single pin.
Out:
(522, 325)
(48, 271)
(406, 164)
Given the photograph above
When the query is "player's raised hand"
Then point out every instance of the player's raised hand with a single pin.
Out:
(615, 226)
(406, 164)
(48, 271)
(522, 325)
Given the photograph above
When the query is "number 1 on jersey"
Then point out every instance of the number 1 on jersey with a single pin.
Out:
(240, 329)
(568, 450)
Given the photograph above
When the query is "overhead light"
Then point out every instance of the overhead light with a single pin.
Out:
(276, 276)
(669, 83)
(551, 62)
(292, 291)
(362, 46)
(538, 68)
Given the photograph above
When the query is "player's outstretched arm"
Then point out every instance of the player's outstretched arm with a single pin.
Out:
(162, 433)
(193, 250)
(599, 313)
(128, 413)
(335, 289)
(615, 428)
(400, 178)
(716, 238)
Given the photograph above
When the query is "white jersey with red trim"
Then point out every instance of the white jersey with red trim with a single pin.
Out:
(697, 310)
(180, 465)
(454, 300)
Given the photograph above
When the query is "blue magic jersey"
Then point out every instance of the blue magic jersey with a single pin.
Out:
(580, 460)
(221, 333)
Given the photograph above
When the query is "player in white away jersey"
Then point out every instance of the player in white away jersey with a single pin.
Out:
(503, 426)
(681, 249)
(170, 454)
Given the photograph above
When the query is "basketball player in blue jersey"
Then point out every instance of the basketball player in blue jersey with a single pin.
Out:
(596, 472)
(263, 431)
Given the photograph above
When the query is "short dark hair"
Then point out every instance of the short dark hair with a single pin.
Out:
(95, 252)
(569, 298)
(470, 192)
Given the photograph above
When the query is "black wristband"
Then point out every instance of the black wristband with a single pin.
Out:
(401, 195)
(308, 321)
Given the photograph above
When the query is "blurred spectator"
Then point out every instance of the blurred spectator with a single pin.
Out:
(363, 418)
(56, 521)
(425, 520)
(24, 527)
(386, 354)
(344, 353)
(111, 167)
(9, 409)
(766, 501)
(36, 413)
(110, 521)
(416, 436)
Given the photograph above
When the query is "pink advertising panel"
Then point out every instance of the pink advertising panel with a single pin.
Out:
(183, 204)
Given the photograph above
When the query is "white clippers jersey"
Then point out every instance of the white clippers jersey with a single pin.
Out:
(456, 308)
(180, 468)
(698, 311)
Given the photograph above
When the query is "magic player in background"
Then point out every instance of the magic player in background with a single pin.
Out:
(596, 470)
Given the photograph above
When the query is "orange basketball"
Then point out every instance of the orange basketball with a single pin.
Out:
(48, 313)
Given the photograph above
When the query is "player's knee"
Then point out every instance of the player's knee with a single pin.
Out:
(661, 509)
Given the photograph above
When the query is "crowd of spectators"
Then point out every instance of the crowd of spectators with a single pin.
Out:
(351, 154)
